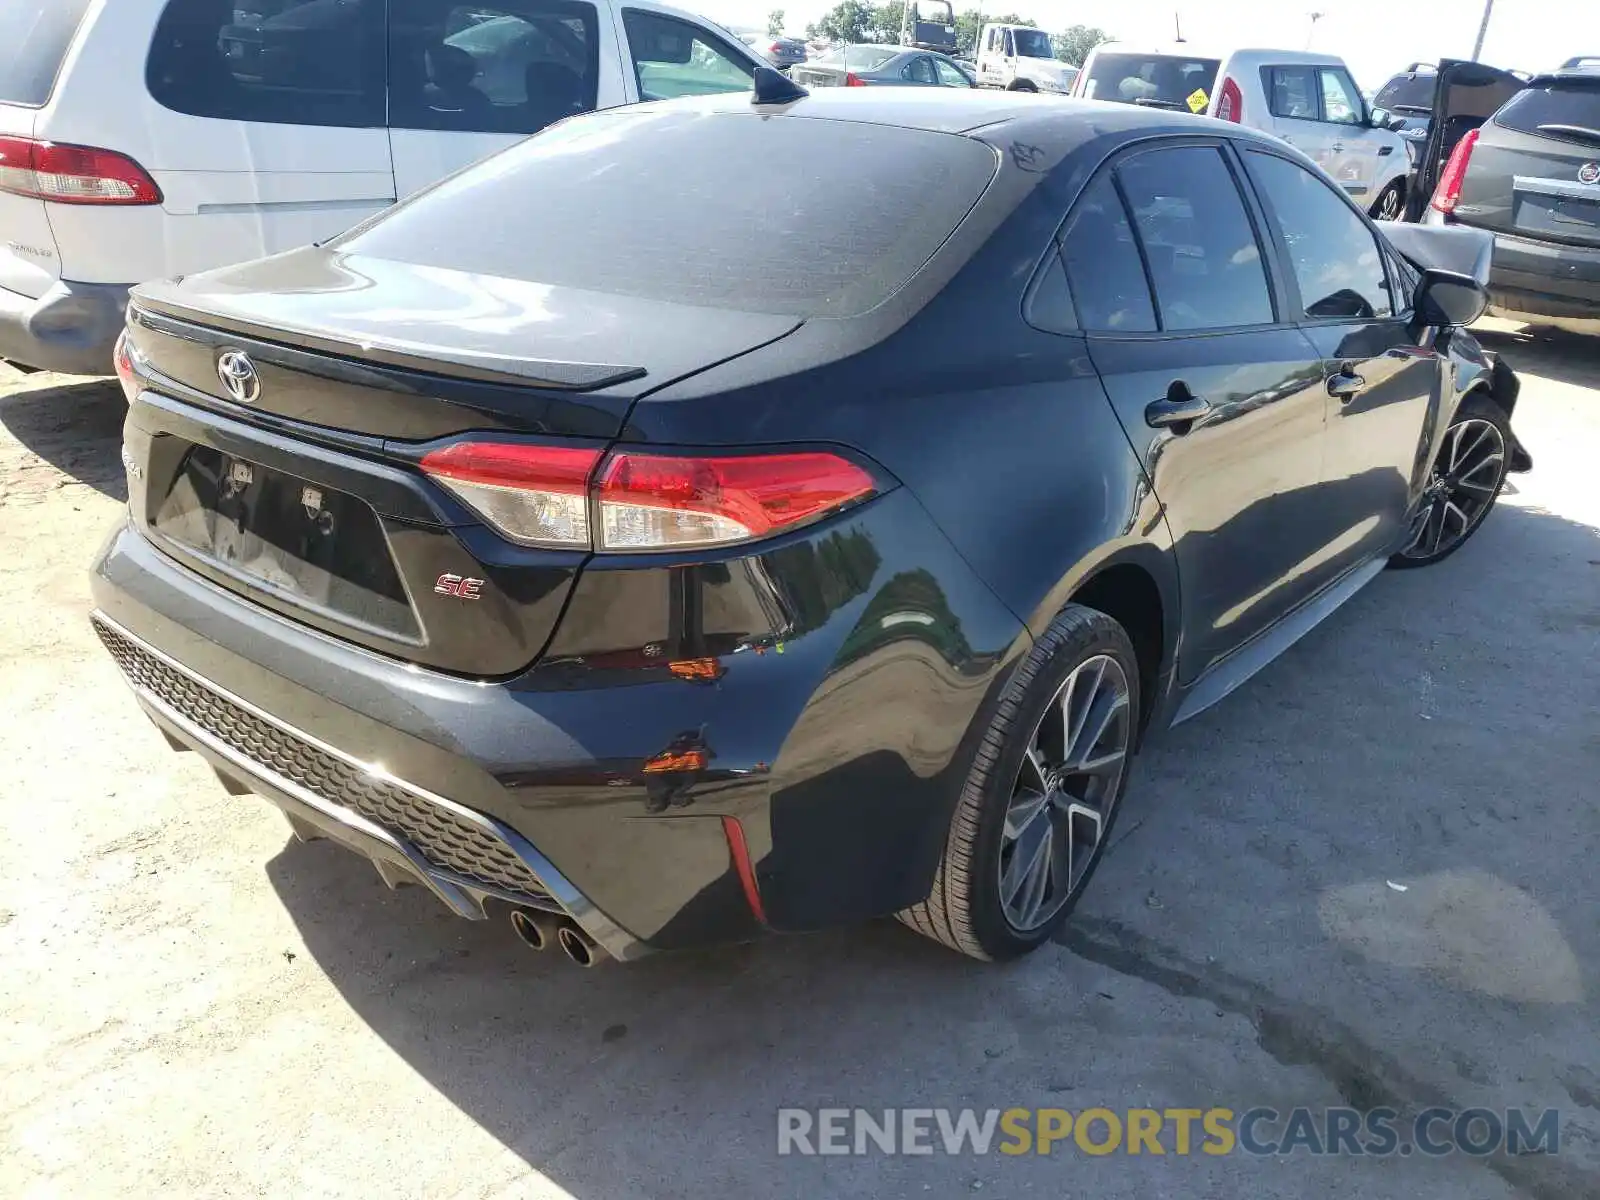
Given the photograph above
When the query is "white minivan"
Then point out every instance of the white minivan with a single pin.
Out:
(150, 138)
(1309, 100)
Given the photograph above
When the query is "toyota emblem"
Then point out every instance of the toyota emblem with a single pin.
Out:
(238, 375)
(1589, 173)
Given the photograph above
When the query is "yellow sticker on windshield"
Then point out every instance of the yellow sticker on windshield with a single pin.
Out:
(1198, 100)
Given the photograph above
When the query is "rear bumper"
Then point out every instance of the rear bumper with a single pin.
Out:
(1534, 279)
(72, 328)
(838, 744)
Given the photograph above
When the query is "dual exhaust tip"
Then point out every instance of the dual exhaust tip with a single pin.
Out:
(541, 930)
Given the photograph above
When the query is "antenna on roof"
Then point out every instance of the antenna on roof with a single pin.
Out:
(774, 87)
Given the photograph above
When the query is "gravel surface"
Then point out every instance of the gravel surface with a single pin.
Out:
(1367, 878)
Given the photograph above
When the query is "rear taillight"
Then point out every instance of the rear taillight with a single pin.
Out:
(73, 174)
(1448, 194)
(851, 79)
(657, 502)
(543, 495)
(122, 358)
(775, 48)
(1230, 105)
(535, 495)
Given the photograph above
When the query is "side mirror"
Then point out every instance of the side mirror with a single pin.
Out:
(1379, 118)
(1446, 299)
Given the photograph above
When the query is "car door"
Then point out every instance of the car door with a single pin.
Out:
(1295, 104)
(1219, 394)
(1353, 146)
(466, 80)
(673, 56)
(1382, 387)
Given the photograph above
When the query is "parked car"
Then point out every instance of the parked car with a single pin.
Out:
(671, 607)
(155, 137)
(1530, 176)
(1019, 58)
(880, 66)
(1468, 92)
(1309, 100)
(780, 52)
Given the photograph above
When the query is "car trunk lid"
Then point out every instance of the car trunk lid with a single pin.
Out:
(1535, 171)
(302, 490)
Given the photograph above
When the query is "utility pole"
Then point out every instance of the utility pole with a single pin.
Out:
(1177, 23)
(1483, 29)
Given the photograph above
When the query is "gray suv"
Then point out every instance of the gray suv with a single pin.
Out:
(1531, 177)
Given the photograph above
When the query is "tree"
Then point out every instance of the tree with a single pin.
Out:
(775, 23)
(847, 21)
(970, 23)
(1074, 44)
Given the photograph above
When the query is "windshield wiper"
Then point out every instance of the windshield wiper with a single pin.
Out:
(1582, 132)
(1412, 108)
(1152, 102)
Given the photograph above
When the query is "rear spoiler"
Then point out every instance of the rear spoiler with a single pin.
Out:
(1443, 248)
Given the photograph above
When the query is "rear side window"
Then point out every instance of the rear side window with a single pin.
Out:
(1292, 92)
(1103, 262)
(1158, 80)
(674, 58)
(513, 66)
(35, 37)
(287, 62)
(582, 205)
(1568, 109)
(919, 70)
(1204, 260)
(1335, 256)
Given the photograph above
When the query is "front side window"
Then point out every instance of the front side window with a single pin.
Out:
(510, 67)
(674, 58)
(1341, 102)
(1034, 43)
(289, 62)
(950, 75)
(1204, 260)
(1334, 254)
(1293, 91)
(1102, 259)
(919, 70)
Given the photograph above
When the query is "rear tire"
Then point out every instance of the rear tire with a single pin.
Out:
(1024, 803)
(1466, 482)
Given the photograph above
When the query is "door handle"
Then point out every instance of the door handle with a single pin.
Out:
(1345, 383)
(1338, 147)
(1178, 412)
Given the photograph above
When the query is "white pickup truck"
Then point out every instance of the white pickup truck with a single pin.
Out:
(1021, 59)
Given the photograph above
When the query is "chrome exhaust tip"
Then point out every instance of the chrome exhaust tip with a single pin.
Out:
(536, 929)
(577, 945)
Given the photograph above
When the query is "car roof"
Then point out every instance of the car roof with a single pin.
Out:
(1060, 120)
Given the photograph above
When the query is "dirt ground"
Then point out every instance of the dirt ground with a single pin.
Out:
(194, 1004)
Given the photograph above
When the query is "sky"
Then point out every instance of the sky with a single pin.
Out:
(1375, 37)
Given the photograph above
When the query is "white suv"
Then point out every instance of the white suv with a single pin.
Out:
(148, 138)
(1308, 100)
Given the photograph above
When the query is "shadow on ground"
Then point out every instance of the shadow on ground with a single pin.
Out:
(1242, 881)
(74, 426)
(1570, 358)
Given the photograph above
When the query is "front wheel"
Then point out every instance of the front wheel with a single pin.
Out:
(1466, 481)
(1043, 791)
(1390, 203)
(1021, 85)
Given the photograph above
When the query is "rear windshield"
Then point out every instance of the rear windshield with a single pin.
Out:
(1159, 80)
(1407, 93)
(858, 58)
(788, 216)
(1568, 109)
(33, 41)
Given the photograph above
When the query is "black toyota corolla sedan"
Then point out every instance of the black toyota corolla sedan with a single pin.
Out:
(743, 514)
